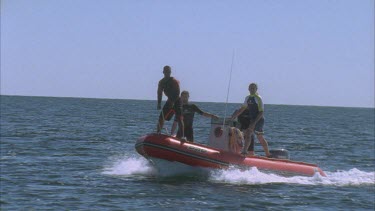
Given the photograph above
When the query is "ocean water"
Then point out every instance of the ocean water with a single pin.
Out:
(78, 154)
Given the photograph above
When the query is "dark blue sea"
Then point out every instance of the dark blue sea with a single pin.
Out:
(78, 154)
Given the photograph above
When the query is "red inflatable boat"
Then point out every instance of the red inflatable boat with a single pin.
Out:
(159, 146)
(222, 151)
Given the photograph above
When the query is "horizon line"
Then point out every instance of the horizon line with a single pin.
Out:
(109, 98)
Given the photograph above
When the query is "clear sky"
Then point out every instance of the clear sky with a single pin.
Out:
(300, 52)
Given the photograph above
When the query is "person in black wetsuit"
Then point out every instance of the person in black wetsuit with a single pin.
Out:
(171, 88)
(188, 111)
(244, 120)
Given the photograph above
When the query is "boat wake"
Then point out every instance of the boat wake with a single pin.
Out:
(134, 166)
(353, 177)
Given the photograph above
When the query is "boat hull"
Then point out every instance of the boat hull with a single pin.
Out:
(172, 149)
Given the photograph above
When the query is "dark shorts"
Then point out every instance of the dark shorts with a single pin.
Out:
(172, 107)
(257, 130)
(259, 127)
(245, 123)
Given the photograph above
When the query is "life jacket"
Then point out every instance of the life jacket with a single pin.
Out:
(255, 105)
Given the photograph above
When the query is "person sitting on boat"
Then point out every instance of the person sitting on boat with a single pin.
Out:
(244, 120)
(188, 111)
(171, 88)
(256, 112)
(236, 140)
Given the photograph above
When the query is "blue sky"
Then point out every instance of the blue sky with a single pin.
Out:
(310, 52)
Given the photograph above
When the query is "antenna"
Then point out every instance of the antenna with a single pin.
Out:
(230, 78)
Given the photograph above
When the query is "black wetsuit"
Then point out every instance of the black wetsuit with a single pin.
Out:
(188, 112)
(255, 105)
(244, 120)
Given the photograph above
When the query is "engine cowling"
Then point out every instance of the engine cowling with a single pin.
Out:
(280, 154)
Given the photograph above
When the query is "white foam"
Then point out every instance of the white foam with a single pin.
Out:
(126, 166)
(254, 176)
(352, 177)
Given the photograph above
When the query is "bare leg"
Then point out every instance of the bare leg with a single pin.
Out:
(247, 141)
(160, 124)
(250, 149)
(181, 126)
(264, 144)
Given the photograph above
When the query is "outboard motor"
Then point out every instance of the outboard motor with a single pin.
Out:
(280, 154)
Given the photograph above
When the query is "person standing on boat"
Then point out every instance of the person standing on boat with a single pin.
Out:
(256, 112)
(188, 111)
(171, 88)
(244, 120)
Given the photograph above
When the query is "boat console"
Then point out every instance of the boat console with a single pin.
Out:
(221, 138)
